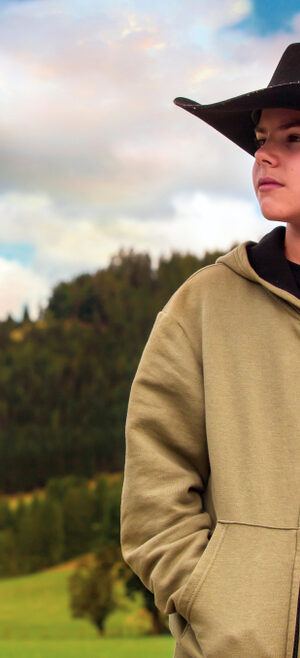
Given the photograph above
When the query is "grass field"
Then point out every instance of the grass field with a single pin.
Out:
(35, 607)
(160, 647)
(35, 622)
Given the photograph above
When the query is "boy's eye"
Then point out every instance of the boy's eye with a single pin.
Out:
(294, 138)
(259, 141)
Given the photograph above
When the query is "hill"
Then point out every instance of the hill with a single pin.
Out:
(35, 622)
(36, 607)
(71, 516)
(65, 379)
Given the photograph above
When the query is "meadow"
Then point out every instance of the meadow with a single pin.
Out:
(104, 648)
(35, 622)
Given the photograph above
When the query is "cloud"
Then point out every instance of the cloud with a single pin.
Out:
(86, 96)
(66, 244)
(19, 286)
(86, 102)
(93, 153)
(199, 223)
(218, 14)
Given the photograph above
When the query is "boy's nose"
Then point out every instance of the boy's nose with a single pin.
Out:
(266, 154)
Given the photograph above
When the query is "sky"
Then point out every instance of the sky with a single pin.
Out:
(94, 155)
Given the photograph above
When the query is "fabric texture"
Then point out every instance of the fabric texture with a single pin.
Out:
(210, 504)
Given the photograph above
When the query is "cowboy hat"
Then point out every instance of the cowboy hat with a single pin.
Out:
(234, 117)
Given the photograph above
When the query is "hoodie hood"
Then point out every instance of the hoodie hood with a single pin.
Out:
(264, 263)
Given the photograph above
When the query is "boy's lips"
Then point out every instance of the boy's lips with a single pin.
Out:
(267, 183)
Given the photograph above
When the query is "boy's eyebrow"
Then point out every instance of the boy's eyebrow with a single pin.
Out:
(283, 126)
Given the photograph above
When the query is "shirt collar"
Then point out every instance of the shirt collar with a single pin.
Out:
(268, 260)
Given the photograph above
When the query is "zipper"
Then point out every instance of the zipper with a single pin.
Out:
(297, 629)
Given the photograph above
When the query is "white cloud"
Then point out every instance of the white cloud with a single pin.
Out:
(218, 14)
(91, 148)
(20, 286)
(86, 102)
(67, 245)
(86, 99)
(202, 223)
(197, 224)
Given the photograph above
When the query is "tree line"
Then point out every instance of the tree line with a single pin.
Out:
(69, 518)
(65, 379)
(74, 518)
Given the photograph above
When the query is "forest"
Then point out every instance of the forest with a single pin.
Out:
(65, 378)
(69, 517)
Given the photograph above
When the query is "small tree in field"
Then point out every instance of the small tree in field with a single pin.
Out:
(133, 585)
(92, 587)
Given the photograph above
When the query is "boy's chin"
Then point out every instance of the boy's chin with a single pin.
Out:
(275, 219)
(273, 216)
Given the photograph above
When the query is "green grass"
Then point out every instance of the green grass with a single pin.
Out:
(36, 607)
(35, 622)
(158, 647)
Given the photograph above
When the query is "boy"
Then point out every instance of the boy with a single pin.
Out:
(210, 510)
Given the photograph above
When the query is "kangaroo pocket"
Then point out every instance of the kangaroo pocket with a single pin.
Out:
(239, 601)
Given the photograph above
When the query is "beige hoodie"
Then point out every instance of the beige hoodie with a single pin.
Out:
(210, 507)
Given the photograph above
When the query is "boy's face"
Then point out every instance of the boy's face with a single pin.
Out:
(276, 170)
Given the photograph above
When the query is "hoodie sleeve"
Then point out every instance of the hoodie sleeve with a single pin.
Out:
(164, 526)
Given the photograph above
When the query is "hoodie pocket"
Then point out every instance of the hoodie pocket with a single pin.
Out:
(185, 637)
(240, 605)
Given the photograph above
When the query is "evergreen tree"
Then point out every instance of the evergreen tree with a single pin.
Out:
(26, 316)
(29, 538)
(78, 514)
(109, 528)
(9, 554)
(51, 540)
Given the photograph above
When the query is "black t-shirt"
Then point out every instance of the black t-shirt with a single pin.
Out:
(296, 272)
(269, 262)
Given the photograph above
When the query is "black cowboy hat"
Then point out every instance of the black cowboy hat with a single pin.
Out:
(234, 117)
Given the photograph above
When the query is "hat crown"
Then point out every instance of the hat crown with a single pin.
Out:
(233, 117)
(288, 68)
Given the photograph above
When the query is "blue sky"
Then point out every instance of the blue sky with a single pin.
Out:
(95, 157)
(21, 252)
(270, 16)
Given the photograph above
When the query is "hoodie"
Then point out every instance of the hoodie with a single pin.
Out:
(210, 504)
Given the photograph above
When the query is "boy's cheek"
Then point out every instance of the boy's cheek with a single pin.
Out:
(255, 176)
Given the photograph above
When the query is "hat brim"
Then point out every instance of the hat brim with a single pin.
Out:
(232, 117)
